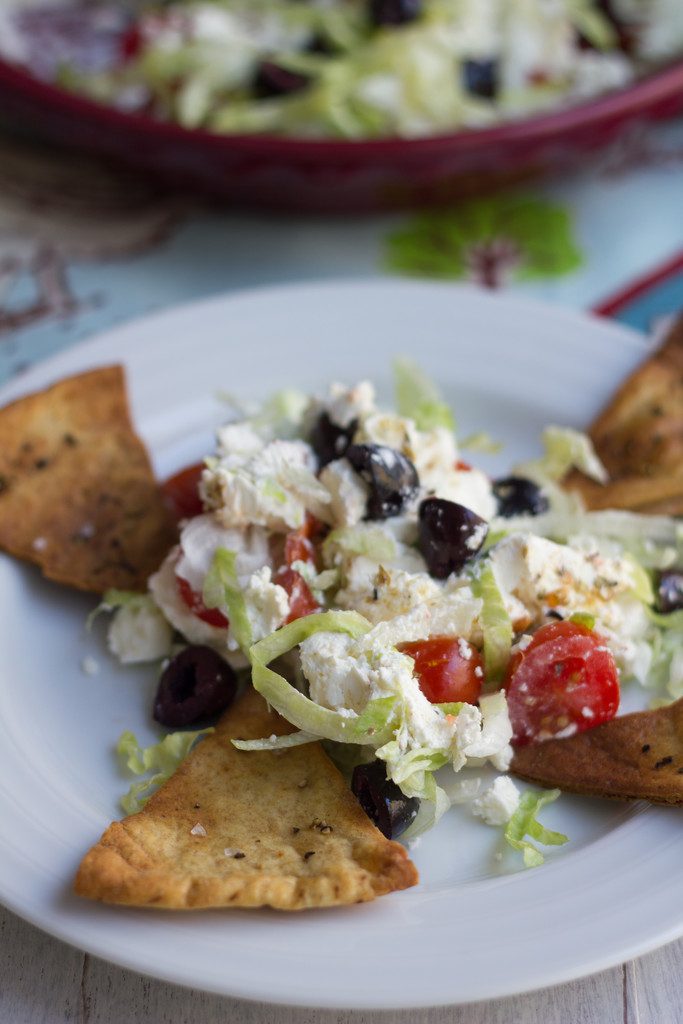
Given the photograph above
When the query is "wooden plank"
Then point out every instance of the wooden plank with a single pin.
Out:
(654, 987)
(40, 978)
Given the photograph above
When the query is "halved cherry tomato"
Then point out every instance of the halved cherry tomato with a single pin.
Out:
(182, 494)
(564, 682)
(193, 600)
(298, 548)
(299, 545)
(448, 669)
(301, 600)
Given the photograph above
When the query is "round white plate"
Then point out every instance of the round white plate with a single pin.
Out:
(476, 927)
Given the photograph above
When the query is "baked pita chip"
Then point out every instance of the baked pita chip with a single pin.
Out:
(247, 829)
(77, 491)
(639, 437)
(634, 757)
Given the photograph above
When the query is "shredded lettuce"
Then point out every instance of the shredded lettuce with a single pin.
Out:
(113, 599)
(672, 620)
(495, 623)
(418, 398)
(371, 727)
(524, 823)
(481, 442)
(370, 541)
(222, 590)
(292, 739)
(433, 806)
(161, 758)
(565, 449)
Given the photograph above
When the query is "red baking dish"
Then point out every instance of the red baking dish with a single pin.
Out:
(336, 176)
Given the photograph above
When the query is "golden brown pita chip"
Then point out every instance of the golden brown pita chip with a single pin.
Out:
(77, 491)
(634, 757)
(247, 829)
(639, 437)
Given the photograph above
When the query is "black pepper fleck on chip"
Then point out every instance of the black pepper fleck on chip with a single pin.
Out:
(295, 830)
(663, 761)
(309, 854)
(41, 463)
(645, 747)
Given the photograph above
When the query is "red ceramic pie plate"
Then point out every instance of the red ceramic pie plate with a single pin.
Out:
(336, 176)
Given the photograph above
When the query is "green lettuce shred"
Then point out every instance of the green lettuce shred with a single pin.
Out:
(418, 398)
(481, 442)
(370, 541)
(371, 727)
(565, 449)
(113, 599)
(161, 758)
(495, 623)
(524, 823)
(222, 590)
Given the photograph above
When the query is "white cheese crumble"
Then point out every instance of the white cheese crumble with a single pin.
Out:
(348, 493)
(267, 605)
(344, 405)
(198, 830)
(139, 632)
(201, 537)
(273, 487)
(498, 802)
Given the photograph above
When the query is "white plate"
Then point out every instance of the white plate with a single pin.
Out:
(474, 928)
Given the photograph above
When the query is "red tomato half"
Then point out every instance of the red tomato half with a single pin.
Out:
(301, 600)
(564, 682)
(182, 492)
(299, 545)
(448, 669)
(193, 600)
(298, 548)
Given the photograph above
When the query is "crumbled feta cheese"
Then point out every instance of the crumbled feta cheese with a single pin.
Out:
(267, 604)
(498, 802)
(139, 632)
(198, 830)
(380, 592)
(468, 487)
(348, 493)
(238, 440)
(344, 405)
(201, 537)
(536, 576)
(273, 487)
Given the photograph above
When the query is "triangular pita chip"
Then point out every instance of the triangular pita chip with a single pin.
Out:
(634, 757)
(247, 829)
(77, 491)
(639, 437)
